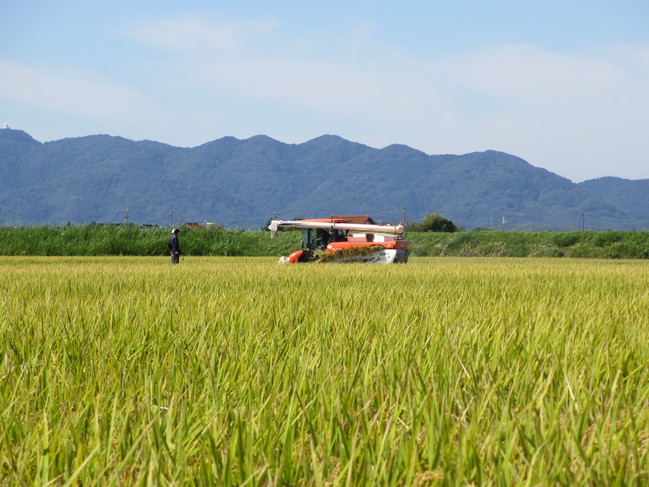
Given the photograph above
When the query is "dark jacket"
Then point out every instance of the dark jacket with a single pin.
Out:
(174, 246)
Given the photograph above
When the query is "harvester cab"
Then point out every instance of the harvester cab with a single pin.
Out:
(319, 238)
(331, 240)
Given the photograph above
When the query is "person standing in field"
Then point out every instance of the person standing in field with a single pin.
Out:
(174, 246)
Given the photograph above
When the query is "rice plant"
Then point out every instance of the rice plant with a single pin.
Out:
(239, 371)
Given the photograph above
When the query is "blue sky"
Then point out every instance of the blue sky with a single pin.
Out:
(562, 84)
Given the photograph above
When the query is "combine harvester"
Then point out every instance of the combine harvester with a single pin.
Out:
(331, 240)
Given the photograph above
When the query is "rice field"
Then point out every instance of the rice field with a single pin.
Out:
(238, 371)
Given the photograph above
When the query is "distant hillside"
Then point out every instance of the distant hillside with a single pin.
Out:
(243, 182)
(633, 196)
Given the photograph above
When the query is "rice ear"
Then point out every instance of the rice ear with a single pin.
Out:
(326, 257)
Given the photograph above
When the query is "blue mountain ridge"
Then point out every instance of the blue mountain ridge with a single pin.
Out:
(242, 183)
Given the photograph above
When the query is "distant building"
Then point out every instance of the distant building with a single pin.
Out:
(362, 219)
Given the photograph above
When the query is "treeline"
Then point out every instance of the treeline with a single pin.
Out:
(95, 240)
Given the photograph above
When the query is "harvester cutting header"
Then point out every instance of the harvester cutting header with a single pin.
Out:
(345, 239)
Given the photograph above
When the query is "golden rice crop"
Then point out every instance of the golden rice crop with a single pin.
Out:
(224, 371)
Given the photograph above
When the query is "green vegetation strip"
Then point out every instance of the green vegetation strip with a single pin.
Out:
(239, 371)
(98, 240)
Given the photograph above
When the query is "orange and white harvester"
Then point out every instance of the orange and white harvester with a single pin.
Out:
(349, 238)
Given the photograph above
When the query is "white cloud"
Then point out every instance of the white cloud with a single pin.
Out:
(72, 91)
(581, 115)
(191, 33)
(331, 76)
(573, 114)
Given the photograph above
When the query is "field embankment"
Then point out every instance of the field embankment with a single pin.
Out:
(604, 244)
(103, 240)
(96, 240)
(131, 371)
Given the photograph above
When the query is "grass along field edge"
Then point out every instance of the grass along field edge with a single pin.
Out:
(96, 240)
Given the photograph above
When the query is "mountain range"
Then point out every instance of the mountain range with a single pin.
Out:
(233, 182)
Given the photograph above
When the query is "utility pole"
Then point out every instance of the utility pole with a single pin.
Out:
(171, 218)
(583, 226)
(126, 215)
(404, 216)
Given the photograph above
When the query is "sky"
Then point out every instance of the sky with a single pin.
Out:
(561, 84)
